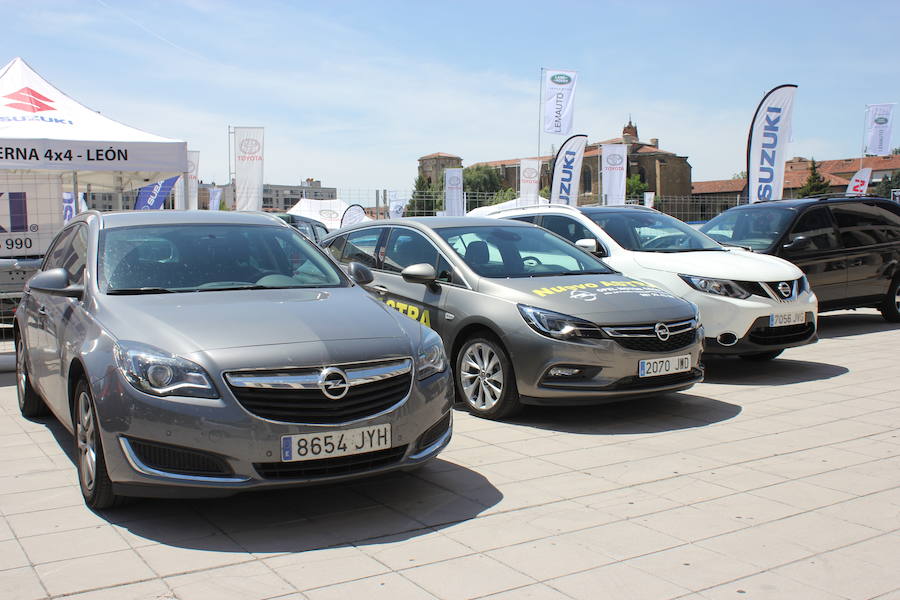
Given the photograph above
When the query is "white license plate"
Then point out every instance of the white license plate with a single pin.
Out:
(664, 366)
(782, 319)
(329, 444)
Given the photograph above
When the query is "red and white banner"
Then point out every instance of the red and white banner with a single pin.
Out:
(615, 169)
(567, 171)
(529, 180)
(879, 120)
(860, 182)
(192, 184)
(559, 100)
(248, 168)
(454, 204)
(770, 132)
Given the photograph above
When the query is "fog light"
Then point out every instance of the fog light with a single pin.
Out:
(160, 376)
(564, 372)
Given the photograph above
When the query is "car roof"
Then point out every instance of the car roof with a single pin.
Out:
(426, 223)
(109, 220)
(796, 203)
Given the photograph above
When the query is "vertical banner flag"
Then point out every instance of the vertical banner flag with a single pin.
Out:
(878, 129)
(153, 196)
(770, 132)
(567, 171)
(191, 202)
(248, 168)
(396, 207)
(68, 206)
(215, 198)
(454, 205)
(615, 160)
(649, 197)
(860, 182)
(559, 97)
(529, 180)
(354, 214)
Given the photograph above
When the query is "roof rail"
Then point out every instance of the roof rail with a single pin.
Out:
(538, 205)
(836, 195)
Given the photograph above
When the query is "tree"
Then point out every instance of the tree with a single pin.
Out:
(740, 175)
(896, 150)
(503, 195)
(426, 199)
(887, 183)
(815, 183)
(545, 192)
(635, 187)
(481, 178)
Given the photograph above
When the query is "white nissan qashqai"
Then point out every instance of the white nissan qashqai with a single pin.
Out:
(751, 305)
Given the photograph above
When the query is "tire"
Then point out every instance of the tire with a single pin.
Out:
(93, 479)
(890, 308)
(762, 356)
(30, 403)
(485, 379)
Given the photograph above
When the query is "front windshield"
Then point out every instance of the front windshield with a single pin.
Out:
(209, 257)
(756, 228)
(509, 251)
(645, 231)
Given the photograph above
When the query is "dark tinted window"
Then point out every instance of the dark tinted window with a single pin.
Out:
(320, 231)
(336, 246)
(445, 271)
(76, 260)
(56, 255)
(756, 228)
(860, 224)
(567, 228)
(525, 219)
(405, 247)
(890, 214)
(816, 226)
(360, 246)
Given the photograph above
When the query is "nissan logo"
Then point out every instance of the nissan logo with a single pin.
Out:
(784, 288)
(662, 331)
(333, 383)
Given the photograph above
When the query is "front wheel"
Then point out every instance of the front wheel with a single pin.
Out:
(762, 356)
(30, 403)
(890, 309)
(96, 486)
(485, 379)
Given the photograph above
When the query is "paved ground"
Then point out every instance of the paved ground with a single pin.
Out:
(779, 480)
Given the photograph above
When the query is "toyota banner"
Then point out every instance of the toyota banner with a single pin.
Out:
(615, 161)
(248, 168)
(529, 180)
(770, 132)
(567, 171)
(454, 204)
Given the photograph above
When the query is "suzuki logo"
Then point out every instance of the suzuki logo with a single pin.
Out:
(29, 100)
(784, 288)
(662, 331)
(333, 383)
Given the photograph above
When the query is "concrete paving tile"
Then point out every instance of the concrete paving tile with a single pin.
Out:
(5, 532)
(155, 589)
(625, 539)
(366, 524)
(551, 557)
(852, 481)
(15, 438)
(21, 584)
(764, 547)
(22, 502)
(247, 581)
(746, 508)
(656, 468)
(496, 531)
(402, 552)
(616, 582)
(693, 567)
(513, 496)
(72, 544)
(870, 447)
(12, 556)
(881, 551)
(688, 523)
(19, 453)
(43, 480)
(482, 455)
(328, 566)
(93, 572)
(53, 520)
(817, 532)
(545, 446)
(389, 586)
(482, 576)
(626, 503)
(195, 555)
(498, 436)
(687, 489)
(521, 470)
(875, 511)
(763, 586)
(537, 591)
(586, 458)
(842, 575)
(802, 495)
(166, 530)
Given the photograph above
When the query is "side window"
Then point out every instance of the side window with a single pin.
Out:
(890, 215)
(404, 248)
(304, 228)
(57, 253)
(525, 219)
(566, 227)
(320, 231)
(360, 246)
(860, 225)
(335, 247)
(445, 271)
(76, 260)
(816, 226)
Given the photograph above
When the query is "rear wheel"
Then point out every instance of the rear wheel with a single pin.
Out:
(485, 379)
(762, 356)
(96, 487)
(890, 309)
(30, 403)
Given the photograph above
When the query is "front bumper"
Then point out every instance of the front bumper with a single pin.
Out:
(720, 315)
(762, 338)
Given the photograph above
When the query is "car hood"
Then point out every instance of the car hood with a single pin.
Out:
(606, 299)
(728, 264)
(189, 322)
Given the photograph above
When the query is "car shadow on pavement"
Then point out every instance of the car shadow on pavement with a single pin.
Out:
(656, 414)
(847, 323)
(781, 371)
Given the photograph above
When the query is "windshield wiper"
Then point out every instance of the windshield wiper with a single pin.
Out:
(247, 287)
(138, 291)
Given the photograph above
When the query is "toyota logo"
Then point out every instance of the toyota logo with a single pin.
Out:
(454, 180)
(784, 288)
(333, 383)
(662, 331)
(250, 146)
(614, 160)
(529, 173)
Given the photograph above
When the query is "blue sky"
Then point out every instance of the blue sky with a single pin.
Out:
(352, 93)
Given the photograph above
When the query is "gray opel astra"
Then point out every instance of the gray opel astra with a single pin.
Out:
(527, 317)
(205, 353)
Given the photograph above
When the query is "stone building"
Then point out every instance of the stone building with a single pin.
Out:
(431, 166)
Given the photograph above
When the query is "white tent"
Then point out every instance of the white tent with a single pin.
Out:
(482, 211)
(330, 212)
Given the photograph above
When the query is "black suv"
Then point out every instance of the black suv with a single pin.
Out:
(849, 247)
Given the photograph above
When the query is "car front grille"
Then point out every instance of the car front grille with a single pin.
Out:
(181, 461)
(654, 344)
(769, 289)
(644, 338)
(637, 383)
(776, 336)
(434, 432)
(297, 396)
(330, 467)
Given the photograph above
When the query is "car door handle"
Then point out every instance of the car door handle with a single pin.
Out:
(858, 262)
(43, 311)
(379, 289)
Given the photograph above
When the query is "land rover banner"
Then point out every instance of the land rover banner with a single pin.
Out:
(567, 171)
(192, 184)
(770, 132)
(454, 204)
(529, 180)
(615, 161)
(248, 168)
(559, 97)
(878, 129)
(860, 182)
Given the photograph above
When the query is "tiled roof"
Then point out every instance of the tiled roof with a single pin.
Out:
(440, 155)
(792, 180)
(847, 165)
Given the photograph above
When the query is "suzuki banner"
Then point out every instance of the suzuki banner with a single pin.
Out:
(770, 132)
(559, 101)
(878, 129)
(248, 168)
(153, 197)
(529, 180)
(860, 182)
(567, 171)
(215, 198)
(454, 204)
(615, 161)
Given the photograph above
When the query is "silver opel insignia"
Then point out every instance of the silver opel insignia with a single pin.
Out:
(206, 353)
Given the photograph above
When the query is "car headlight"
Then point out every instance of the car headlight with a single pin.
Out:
(557, 325)
(432, 358)
(719, 287)
(157, 372)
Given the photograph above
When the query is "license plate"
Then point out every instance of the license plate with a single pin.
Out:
(664, 366)
(782, 319)
(310, 446)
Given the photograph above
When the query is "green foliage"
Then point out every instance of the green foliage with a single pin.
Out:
(481, 178)
(888, 183)
(545, 192)
(896, 150)
(740, 175)
(635, 187)
(504, 195)
(426, 199)
(815, 183)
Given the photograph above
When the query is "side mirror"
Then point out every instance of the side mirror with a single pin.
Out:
(798, 243)
(56, 283)
(360, 273)
(419, 273)
(591, 245)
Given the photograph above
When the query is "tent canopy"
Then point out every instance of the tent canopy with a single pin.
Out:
(42, 129)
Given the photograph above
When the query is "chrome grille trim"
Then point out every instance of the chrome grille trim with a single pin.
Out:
(771, 288)
(307, 378)
(648, 331)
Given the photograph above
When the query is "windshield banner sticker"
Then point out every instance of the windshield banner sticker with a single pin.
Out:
(589, 291)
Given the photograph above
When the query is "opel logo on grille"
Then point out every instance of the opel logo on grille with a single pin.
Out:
(333, 383)
(662, 331)
(784, 288)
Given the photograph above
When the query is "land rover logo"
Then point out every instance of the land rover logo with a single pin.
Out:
(250, 146)
(561, 79)
(784, 288)
(881, 120)
(327, 213)
(529, 173)
(662, 331)
(614, 160)
(333, 383)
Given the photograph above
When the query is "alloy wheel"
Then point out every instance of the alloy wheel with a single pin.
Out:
(86, 435)
(481, 376)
